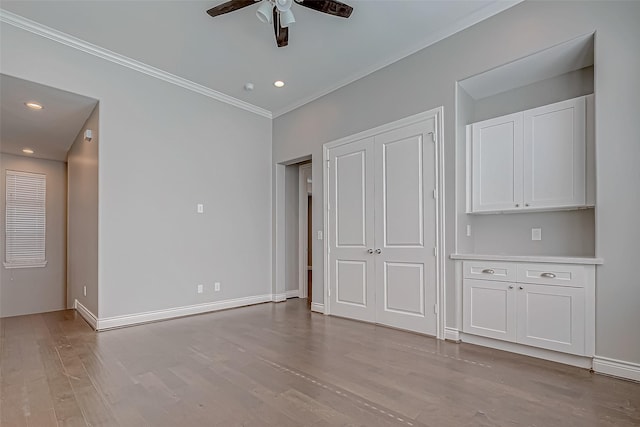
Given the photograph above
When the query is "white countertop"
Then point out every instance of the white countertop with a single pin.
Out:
(529, 258)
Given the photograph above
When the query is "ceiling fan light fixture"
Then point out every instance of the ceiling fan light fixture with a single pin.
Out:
(264, 12)
(286, 18)
(283, 5)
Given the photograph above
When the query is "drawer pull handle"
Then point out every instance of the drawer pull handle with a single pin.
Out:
(488, 271)
(548, 275)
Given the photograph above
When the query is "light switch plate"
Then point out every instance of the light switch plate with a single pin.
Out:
(468, 230)
(319, 235)
(200, 289)
(200, 208)
(536, 234)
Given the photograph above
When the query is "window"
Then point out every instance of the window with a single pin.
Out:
(25, 220)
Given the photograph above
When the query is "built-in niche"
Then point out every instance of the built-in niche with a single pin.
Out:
(559, 73)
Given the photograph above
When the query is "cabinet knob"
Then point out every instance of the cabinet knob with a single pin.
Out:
(520, 287)
(378, 251)
(526, 204)
(370, 251)
(548, 275)
(488, 271)
(517, 205)
(510, 286)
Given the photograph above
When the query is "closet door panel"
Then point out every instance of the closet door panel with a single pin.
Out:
(351, 236)
(405, 218)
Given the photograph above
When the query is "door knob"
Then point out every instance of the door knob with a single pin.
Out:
(378, 251)
(370, 251)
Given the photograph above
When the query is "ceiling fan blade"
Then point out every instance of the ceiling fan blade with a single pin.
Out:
(330, 7)
(229, 6)
(282, 33)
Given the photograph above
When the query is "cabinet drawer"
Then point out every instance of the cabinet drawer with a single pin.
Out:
(552, 274)
(488, 270)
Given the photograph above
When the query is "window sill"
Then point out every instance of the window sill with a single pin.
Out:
(9, 265)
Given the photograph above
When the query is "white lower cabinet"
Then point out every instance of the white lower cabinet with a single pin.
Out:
(555, 312)
(490, 309)
(551, 317)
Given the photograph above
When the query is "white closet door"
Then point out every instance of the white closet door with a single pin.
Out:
(351, 269)
(405, 224)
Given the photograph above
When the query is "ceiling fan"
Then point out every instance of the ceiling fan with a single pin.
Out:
(279, 12)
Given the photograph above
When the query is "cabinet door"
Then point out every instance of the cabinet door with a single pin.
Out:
(551, 317)
(496, 152)
(489, 309)
(554, 155)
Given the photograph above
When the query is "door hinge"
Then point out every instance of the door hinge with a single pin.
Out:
(433, 136)
(435, 251)
(329, 290)
(435, 193)
(435, 308)
(328, 164)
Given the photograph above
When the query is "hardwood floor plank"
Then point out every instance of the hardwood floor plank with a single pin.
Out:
(280, 365)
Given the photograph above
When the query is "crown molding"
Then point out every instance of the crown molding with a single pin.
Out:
(462, 24)
(97, 51)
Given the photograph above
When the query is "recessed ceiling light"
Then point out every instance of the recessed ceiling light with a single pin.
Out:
(278, 83)
(27, 151)
(34, 105)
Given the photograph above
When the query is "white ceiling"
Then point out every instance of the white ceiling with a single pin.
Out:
(224, 53)
(50, 132)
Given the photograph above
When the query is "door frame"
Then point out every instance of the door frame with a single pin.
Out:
(303, 215)
(437, 115)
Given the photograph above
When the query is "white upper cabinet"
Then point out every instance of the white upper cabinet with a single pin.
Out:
(529, 160)
(496, 163)
(554, 155)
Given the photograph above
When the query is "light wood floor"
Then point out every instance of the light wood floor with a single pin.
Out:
(280, 365)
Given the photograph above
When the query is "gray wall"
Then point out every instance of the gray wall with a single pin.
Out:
(291, 228)
(564, 233)
(36, 290)
(82, 208)
(427, 79)
(566, 86)
(164, 149)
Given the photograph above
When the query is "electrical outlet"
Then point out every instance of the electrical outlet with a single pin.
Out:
(319, 234)
(216, 286)
(200, 289)
(536, 234)
(84, 290)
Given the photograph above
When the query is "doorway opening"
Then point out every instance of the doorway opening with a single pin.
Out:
(305, 216)
(55, 142)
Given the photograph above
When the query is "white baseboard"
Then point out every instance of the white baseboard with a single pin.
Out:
(86, 314)
(317, 307)
(540, 353)
(151, 316)
(616, 368)
(278, 297)
(451, 334)
(293, 293)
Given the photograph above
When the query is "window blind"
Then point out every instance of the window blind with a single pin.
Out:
(25, 219)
